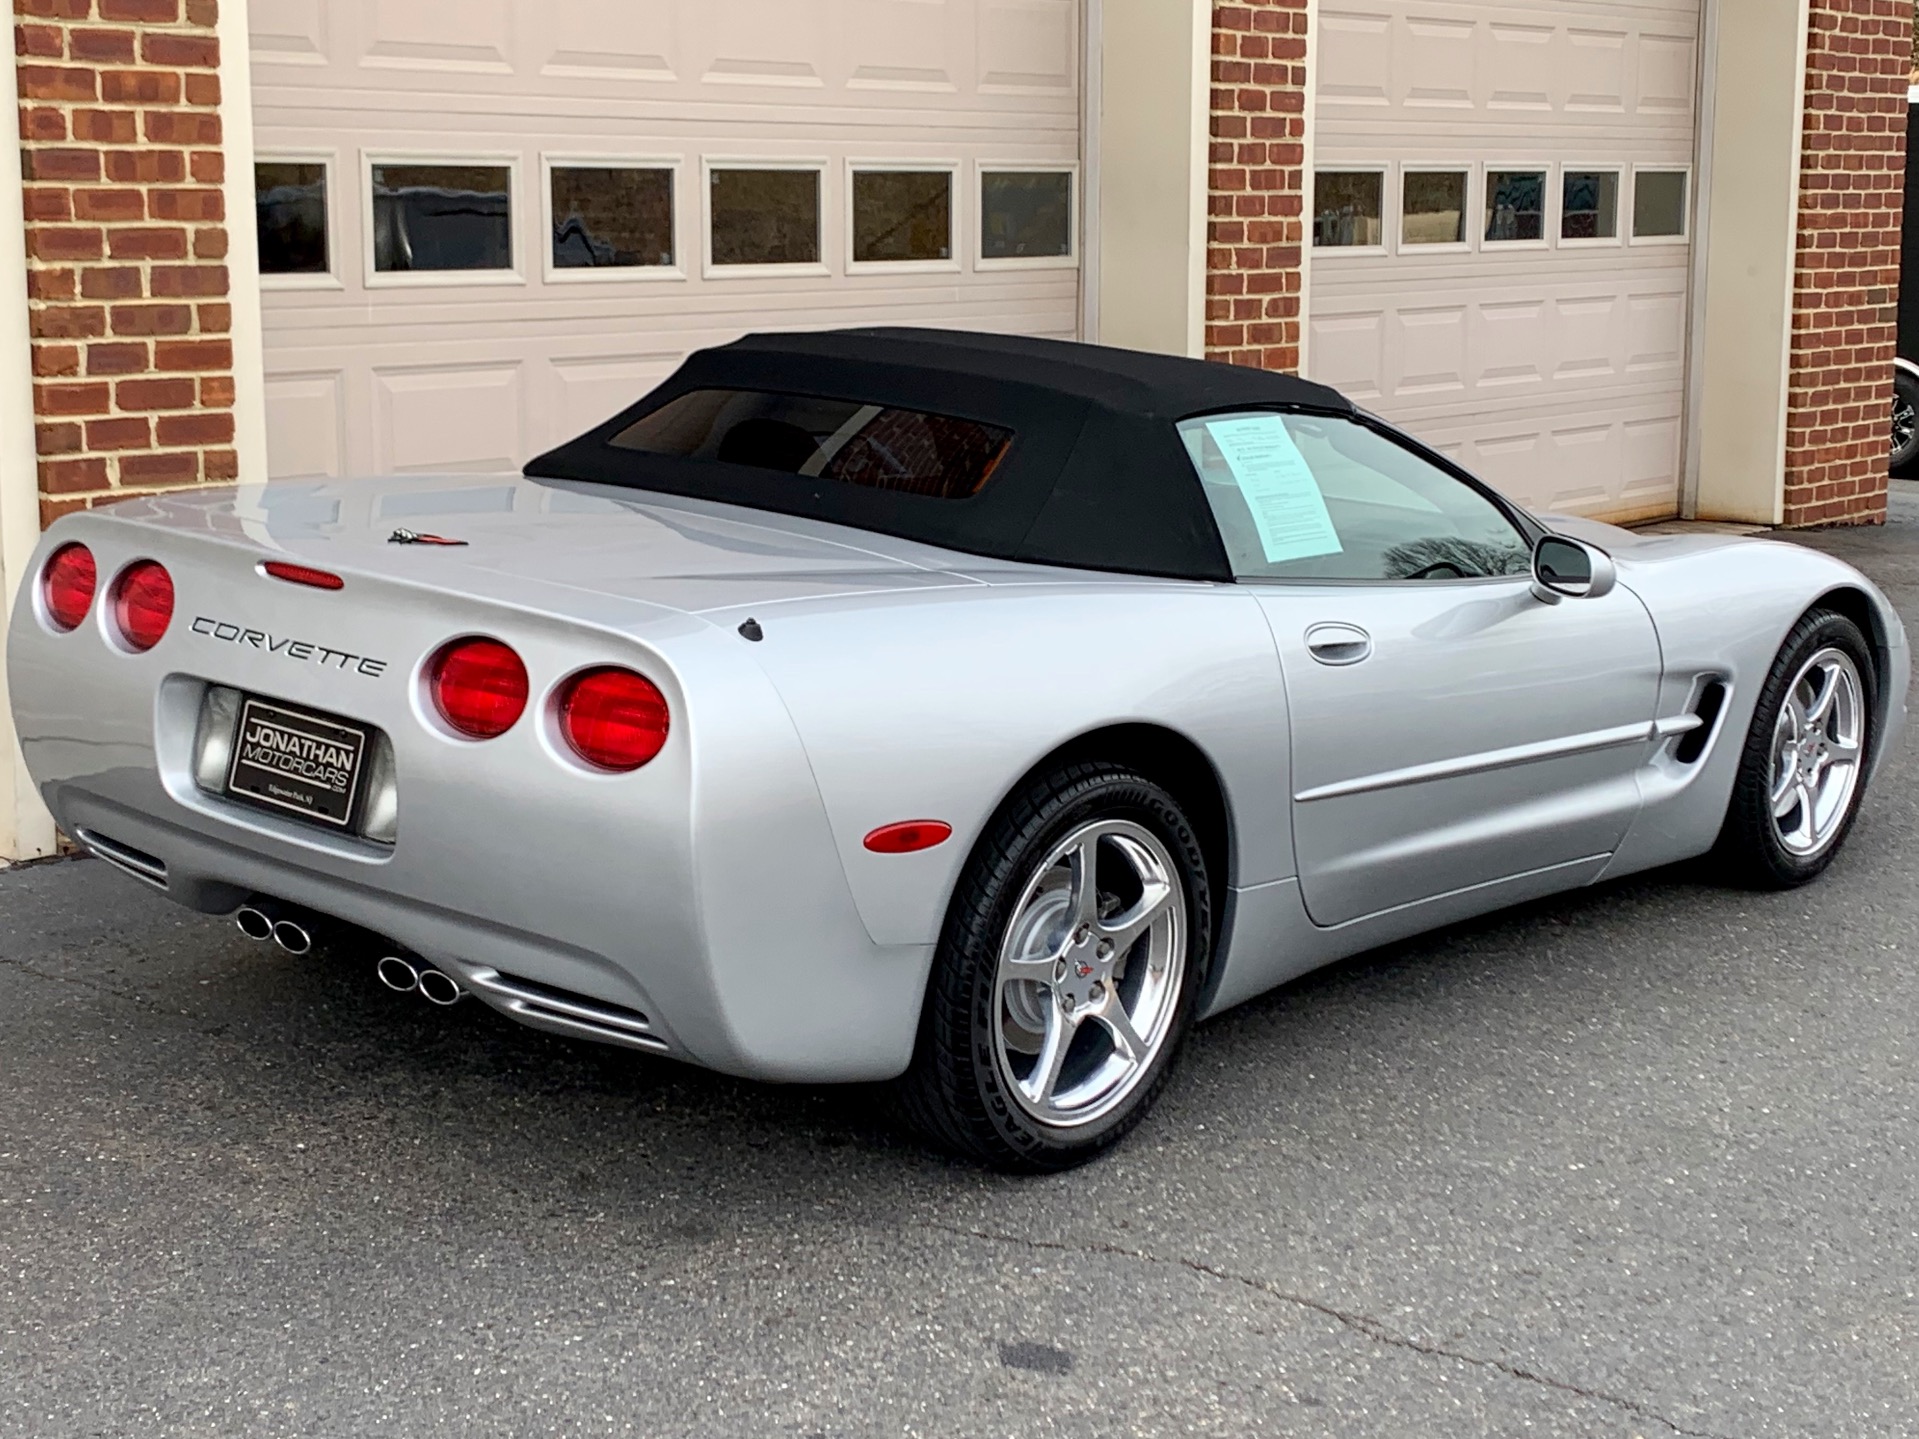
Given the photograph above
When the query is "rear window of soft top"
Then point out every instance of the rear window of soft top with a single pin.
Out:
(880, 447)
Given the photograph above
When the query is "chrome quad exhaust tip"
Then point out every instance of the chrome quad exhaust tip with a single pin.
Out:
(293, 936)
(262, 918)
(439, 987)
(255, 923)
(398, 974)
(405, 975)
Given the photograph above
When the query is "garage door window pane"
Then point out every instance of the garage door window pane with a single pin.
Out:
(1347, 205)
(289, 205)
(442, 217)
(1591, 209)
(1025, 214)
(1658, 204)
(1515, 205)
(611, 217)
(902, 215)
(1434, 207)
(766, 217)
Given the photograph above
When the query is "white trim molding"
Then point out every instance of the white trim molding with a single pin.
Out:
(1746, 223)
(26, 829)
(243, 244)
(1154, 120)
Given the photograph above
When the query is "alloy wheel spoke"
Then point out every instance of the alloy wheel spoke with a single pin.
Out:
(1804, 830)
(1124, 930)
(1843, 751)
(1795, 715)
(1822, 706)
(1785, 788)
(1113, 1017)
(1084, 898)
(1032, 968)
(1060, 1028)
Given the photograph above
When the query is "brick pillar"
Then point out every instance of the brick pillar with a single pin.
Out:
(126, 246)
(1846, 277)
(1256, 189)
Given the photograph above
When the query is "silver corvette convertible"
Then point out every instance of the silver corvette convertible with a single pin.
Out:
(968, 712)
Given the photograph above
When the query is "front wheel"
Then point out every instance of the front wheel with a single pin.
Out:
(1802, 772)
(1066, 976)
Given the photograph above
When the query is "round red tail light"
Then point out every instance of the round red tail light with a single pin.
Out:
(67, 584)
(479, 687)
(143, 603)
(613, 718)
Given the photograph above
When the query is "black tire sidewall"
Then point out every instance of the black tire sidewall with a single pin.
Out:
(1751, 842)
(977, 927)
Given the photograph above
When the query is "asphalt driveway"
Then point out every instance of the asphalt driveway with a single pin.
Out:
(1636, 1162)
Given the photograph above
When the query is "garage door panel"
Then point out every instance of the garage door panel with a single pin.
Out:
(612, 39)
(1668, 67)
(1559, 366)
(768, 42)
(1510, 340)
(901, 45)
(469, 35)
(593, 389)
(1518, 66)
(1437, 57)
(1587, 331)
(288, 32)
(1027, 45)
(1594, 70)
(432, 418)
(1431, 346)
(453, 370)
(306, 425)
(1651, 457)
(1355, 55)
(1349, 352)
(1656, 334)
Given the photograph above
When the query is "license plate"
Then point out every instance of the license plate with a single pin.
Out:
(293, 760)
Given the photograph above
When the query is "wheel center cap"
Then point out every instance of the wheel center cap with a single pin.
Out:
(1080, 974)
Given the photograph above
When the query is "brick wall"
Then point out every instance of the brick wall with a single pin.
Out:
(1256, 200)
(126, 246)
(1846, 286)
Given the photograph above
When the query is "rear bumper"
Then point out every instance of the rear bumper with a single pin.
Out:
(704, 890)
(772, 1013)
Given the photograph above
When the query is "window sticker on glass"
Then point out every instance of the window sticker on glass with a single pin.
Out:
(1288, 510)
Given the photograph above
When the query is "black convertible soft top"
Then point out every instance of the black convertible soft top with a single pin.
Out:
(1096, 477)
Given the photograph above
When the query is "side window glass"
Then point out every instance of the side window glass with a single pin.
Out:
(1319, 497)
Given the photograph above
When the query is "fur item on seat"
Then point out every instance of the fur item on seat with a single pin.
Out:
(1472, 558)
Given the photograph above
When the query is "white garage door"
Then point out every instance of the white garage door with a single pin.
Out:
(488, 224)
(1501, 218)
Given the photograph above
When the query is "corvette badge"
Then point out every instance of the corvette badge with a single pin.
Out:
(413, 537)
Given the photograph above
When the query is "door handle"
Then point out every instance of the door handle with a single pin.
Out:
(1338, 644)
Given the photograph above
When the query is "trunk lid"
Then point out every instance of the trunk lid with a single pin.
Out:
(533, 541)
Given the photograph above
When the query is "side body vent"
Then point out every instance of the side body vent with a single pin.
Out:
(1692, 744)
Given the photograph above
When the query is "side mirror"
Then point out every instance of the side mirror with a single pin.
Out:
(1567, 569)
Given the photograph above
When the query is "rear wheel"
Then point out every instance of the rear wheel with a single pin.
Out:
(1905, 419)
(1802, 773)
(1066, 976)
